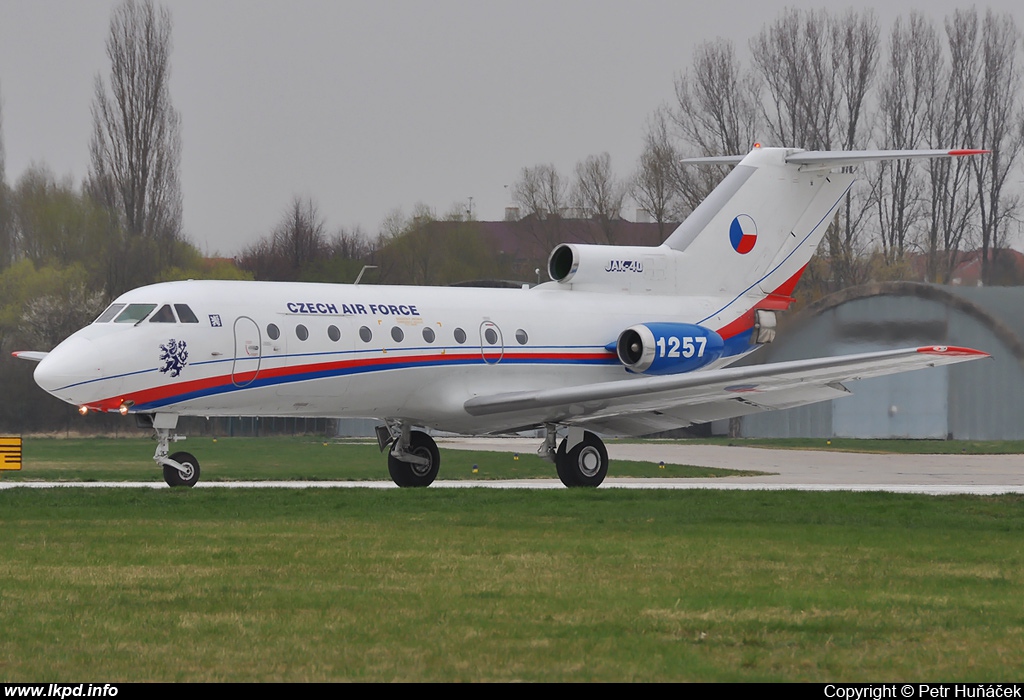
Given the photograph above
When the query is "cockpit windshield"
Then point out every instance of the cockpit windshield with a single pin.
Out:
(109, 313)
(164, 315)
(135, 313)
(185, 313)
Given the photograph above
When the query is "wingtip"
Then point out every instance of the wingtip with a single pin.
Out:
(952, 351)
(32, 355)
(969, 151)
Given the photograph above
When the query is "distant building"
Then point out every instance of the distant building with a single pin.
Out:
(1007, 267)
(982, 400)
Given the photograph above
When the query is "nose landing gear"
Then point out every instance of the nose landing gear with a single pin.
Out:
(180, 468)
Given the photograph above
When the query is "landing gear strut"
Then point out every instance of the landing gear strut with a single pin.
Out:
(413, 459)
(581, 460)
(180, 468)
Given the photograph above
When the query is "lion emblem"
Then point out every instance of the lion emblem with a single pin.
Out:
(174, 355)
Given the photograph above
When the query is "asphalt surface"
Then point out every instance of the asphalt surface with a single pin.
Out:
(808, 470)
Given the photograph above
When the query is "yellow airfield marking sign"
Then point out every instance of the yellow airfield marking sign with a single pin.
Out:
(10, 453)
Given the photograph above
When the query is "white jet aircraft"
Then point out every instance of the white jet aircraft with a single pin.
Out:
(622, 340)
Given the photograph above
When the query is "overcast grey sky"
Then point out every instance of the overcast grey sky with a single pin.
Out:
(368, 106)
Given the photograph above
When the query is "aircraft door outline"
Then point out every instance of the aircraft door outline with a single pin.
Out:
(248, 347)
(492, 344)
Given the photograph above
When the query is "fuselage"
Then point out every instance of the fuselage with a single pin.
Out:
(417, 354)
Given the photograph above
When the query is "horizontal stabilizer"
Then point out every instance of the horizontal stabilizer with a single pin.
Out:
(837, 159)
(713, 160)
(29, 355)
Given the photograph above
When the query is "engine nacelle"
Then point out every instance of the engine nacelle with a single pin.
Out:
(606, 265)
(668, 348)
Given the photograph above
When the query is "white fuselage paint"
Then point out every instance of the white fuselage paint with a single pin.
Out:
(236, 368)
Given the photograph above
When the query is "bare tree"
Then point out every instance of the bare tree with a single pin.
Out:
(598, 193)
(298, 241)
(135, 149)
(654, 184)
(817, 70)
(6, 206)
(541, 193)
(301, 235)
(951, 122)
(717, 114)
(912, 80)
(782, 57)
(855, 41)
(1000, 128)
(717, 100)
(351, 244)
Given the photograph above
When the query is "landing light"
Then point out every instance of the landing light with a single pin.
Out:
(83, 409)
(125, 405)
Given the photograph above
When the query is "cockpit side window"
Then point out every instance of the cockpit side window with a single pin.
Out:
(185, 313)
(135, 313)
(164, 315)
(107, 315)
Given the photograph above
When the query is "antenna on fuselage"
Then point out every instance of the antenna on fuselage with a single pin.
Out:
(360, 275)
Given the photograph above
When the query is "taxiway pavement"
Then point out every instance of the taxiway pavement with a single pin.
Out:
(804, 470)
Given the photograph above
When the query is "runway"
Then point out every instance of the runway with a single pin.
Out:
(806, 469)
(800, 470)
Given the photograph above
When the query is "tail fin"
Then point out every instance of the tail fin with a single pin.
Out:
(756, 231)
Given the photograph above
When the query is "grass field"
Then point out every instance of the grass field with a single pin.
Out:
(468, 585)
(307, 458)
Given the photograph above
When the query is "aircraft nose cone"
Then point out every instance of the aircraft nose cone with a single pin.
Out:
(69, 365)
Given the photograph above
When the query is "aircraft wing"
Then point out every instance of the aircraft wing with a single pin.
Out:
(29, 355)
(642, 405)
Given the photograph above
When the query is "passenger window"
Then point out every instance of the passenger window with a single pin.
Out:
(428, 334)
(135, 313)
(109, 313)
(185, 313)
(521, 337)
(366, 334)
(333, 333)
(273, 332)
(164, 315)
(460, 336)
(301, 331)
(491, 336)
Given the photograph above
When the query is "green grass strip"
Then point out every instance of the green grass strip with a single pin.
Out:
(482, 585)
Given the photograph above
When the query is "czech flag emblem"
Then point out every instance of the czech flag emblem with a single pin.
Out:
(743, 234)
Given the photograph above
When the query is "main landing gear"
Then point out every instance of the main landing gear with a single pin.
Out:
(581, 459)
(180, 468)
(413, 459)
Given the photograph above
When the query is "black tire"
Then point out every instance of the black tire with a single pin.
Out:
(406, 474)
(173, 477)
(585, 465)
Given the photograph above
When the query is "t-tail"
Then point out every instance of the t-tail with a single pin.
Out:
(747, 242)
